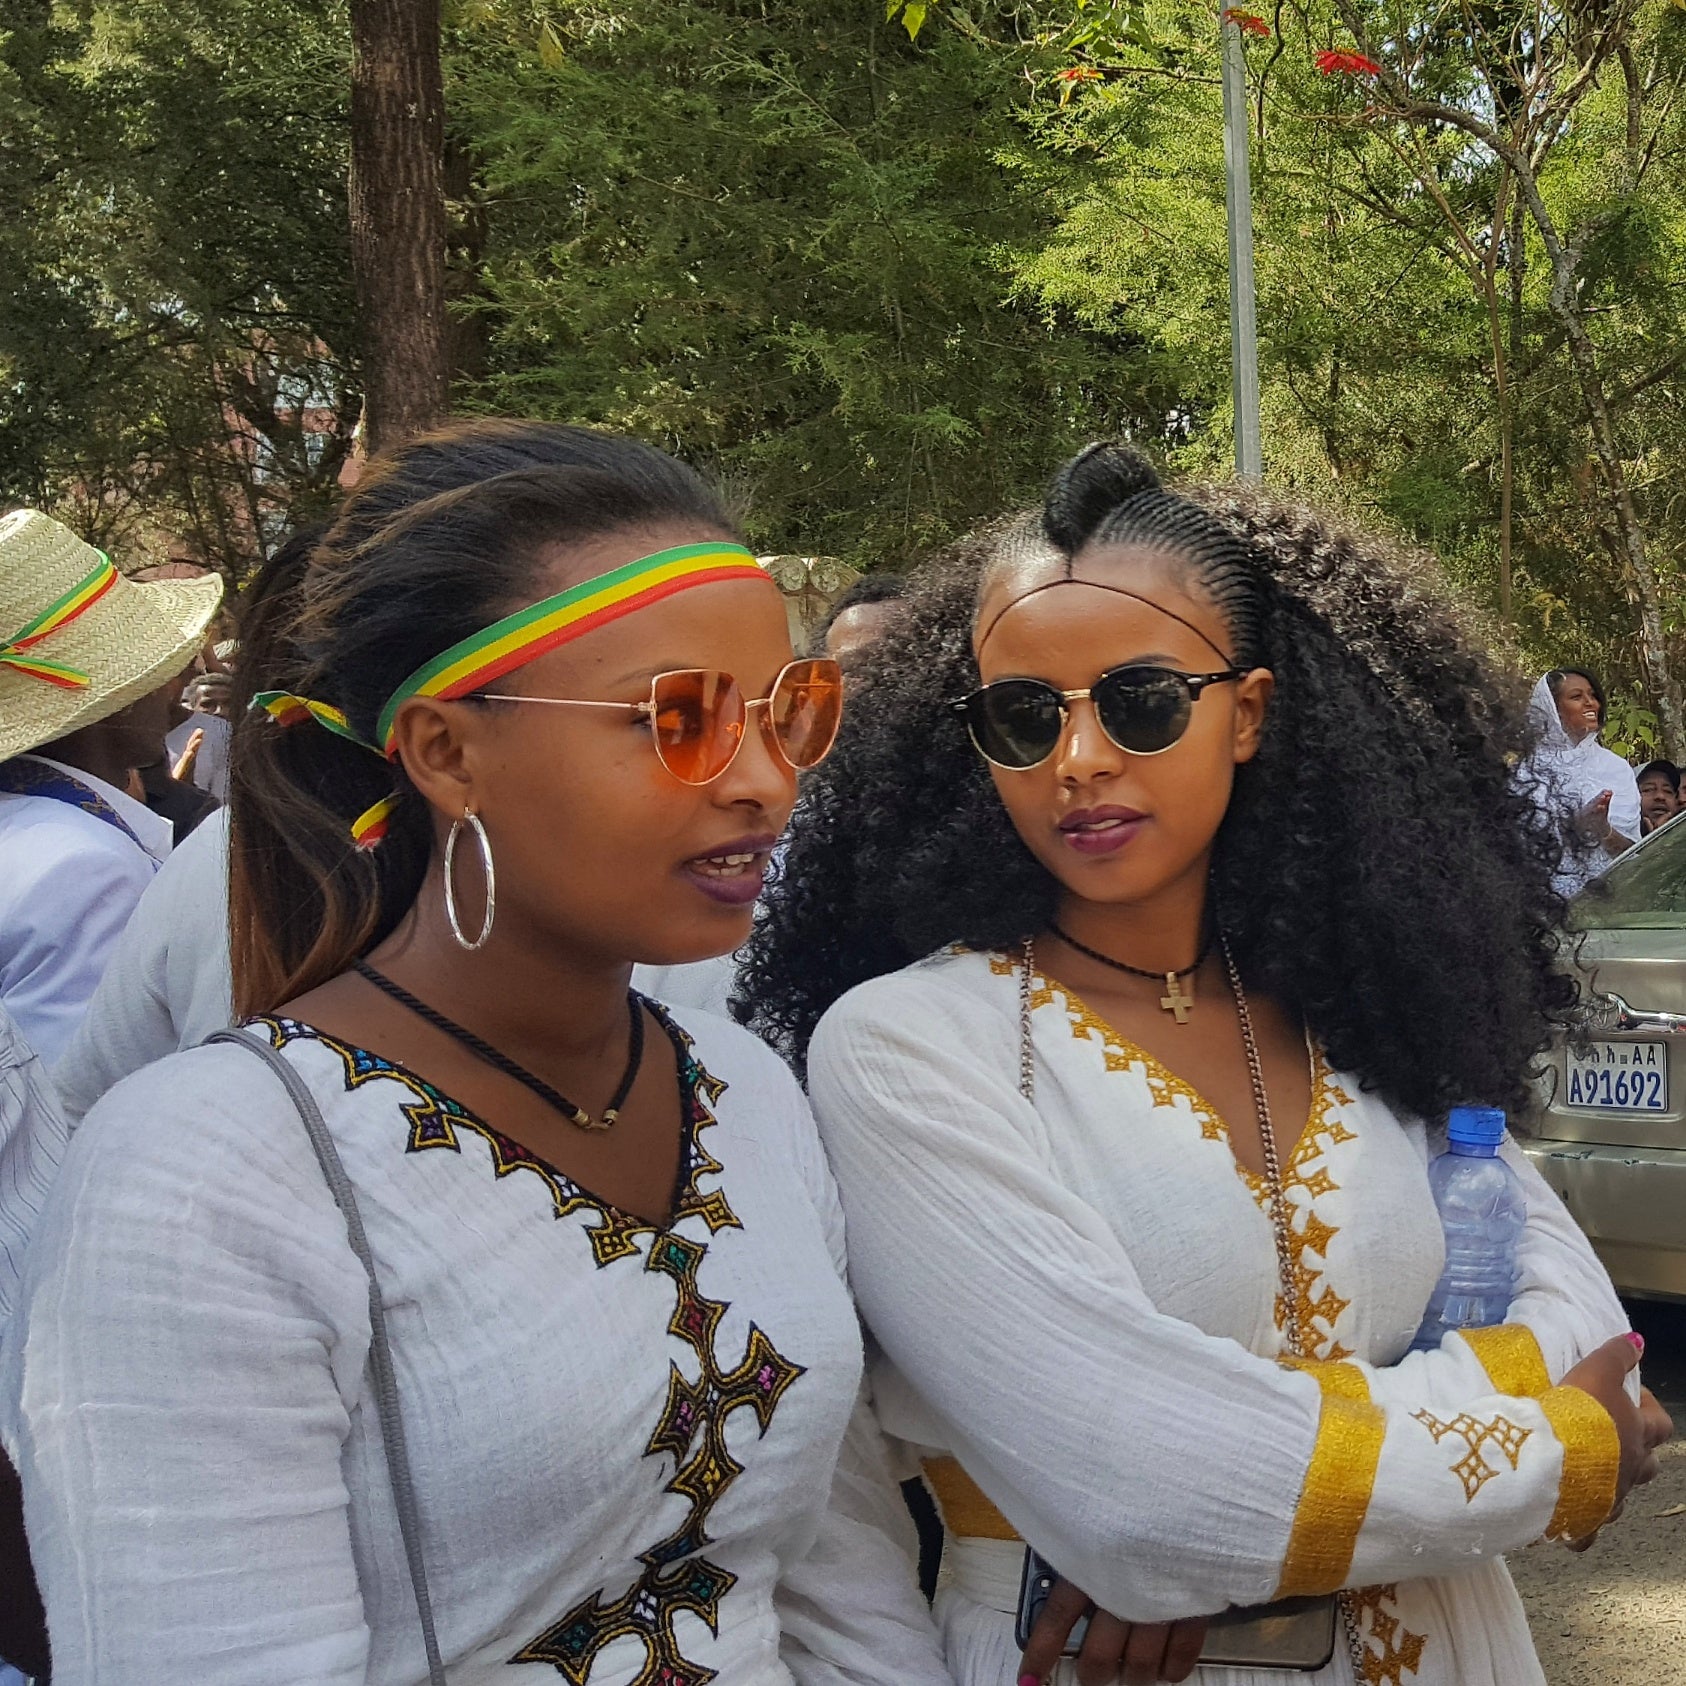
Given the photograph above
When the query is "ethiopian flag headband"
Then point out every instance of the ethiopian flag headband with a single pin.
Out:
(552, 622)
(77, 601)
(514, 641)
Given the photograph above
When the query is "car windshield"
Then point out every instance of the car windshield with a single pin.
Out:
(1645, 890)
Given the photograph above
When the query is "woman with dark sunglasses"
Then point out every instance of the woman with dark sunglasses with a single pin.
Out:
(1168, 885)
(608, 1252)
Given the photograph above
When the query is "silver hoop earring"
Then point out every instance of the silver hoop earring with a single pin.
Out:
(471, 819)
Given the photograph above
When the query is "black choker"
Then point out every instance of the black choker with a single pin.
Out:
(1176, 1001)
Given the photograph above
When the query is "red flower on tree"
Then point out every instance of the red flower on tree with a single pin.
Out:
(1070, 79)
(1249, 23)
(1347, 64)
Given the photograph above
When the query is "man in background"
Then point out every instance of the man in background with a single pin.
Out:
(858, 618)
(1659, 795)
(89, 682)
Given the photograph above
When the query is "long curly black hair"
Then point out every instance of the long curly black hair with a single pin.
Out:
(1378, 872)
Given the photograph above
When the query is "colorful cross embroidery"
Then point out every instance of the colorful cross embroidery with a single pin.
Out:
(1473, 1469)
(692, 1428)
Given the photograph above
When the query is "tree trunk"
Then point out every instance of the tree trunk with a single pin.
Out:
(398, 215)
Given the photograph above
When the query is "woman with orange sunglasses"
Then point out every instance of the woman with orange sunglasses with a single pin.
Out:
(598, 1414)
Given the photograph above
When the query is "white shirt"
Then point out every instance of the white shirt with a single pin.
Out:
(33, 1133)
(1078, 1300)
(627, 1442)
(68, 883)
(210, 765)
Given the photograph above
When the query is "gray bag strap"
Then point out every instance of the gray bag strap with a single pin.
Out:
(380, 1351)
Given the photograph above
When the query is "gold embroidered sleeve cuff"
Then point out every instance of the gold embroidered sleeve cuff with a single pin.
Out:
(1592, 1452)
(1510, 1354)
(1338, 1483)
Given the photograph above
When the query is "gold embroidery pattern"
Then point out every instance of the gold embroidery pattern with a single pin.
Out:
(1119, 1052)
(1511, 1356)
(1586, 1490)
(1400, 1652)
(1473, 1469)
(1307, 1173)
(1338, 1482)
(1304, 1170)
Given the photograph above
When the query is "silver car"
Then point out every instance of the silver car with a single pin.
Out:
(1609, 1132)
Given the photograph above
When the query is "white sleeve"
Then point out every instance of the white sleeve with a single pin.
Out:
(33, 1133)
(65, 907)
(1624, 799)
(167, 984)
(850, 1609)
(1168, 1473)
(177, 1389)
(1564, 1307)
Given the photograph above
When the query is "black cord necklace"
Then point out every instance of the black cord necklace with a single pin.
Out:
(1176, 1001)
(575, 1115)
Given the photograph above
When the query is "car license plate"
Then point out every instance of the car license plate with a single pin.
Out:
(1619, 1076)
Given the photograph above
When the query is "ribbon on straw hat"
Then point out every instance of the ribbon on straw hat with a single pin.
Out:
(89, 640)
(487, 655)
(77, 601)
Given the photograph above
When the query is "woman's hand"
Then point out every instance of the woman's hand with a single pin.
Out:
(1138, 1653)
(1593, 821)
(1640, 1428)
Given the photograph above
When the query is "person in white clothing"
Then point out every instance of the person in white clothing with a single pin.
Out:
(1587, 791)
(1129, 1048)
(87, 681)
(541, 721)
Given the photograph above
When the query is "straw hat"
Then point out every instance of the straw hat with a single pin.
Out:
(78, 641)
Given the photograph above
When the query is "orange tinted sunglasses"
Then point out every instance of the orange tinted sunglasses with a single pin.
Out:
(698, 716)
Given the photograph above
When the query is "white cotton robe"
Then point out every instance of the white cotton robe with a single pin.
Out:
(1077, 1303)
(1562, 776)
(640, 1454)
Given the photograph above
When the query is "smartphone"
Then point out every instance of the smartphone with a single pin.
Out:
(1296, 1635)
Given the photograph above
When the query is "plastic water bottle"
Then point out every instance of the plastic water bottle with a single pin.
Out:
(1483, 1211)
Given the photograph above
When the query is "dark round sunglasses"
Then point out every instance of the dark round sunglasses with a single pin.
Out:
(1144, 709)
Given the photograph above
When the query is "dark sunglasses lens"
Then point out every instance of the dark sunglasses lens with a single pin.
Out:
(1143, 709)
(1016, 722)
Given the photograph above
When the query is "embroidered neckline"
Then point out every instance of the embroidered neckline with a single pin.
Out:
(1122, 1053)
(1309, 1242)
(436, 1120)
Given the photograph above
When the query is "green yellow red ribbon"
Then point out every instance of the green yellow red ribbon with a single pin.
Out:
(286, 708)
(371, 825)
(553, 621)
(77, 601)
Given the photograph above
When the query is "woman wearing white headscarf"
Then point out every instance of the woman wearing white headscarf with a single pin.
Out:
(1591, 789)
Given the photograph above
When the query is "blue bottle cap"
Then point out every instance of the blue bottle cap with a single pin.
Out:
(1475, 1126)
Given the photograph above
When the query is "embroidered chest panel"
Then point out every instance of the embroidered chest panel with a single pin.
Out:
(676, 1575)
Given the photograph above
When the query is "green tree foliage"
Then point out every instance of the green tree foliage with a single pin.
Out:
(780, 236)
(879, 269)
(178, 291)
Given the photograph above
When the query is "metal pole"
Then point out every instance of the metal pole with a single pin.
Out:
(1243, 328)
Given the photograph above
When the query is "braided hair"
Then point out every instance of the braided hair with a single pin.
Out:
(1377, 871)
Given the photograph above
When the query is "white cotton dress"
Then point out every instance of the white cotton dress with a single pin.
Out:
(641, 1455)
(1076, 1306)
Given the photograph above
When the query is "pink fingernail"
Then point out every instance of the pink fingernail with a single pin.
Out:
(1637, 1341)
(1029, 1680)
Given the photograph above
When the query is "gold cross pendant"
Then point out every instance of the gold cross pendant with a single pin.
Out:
(1175, 1001)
